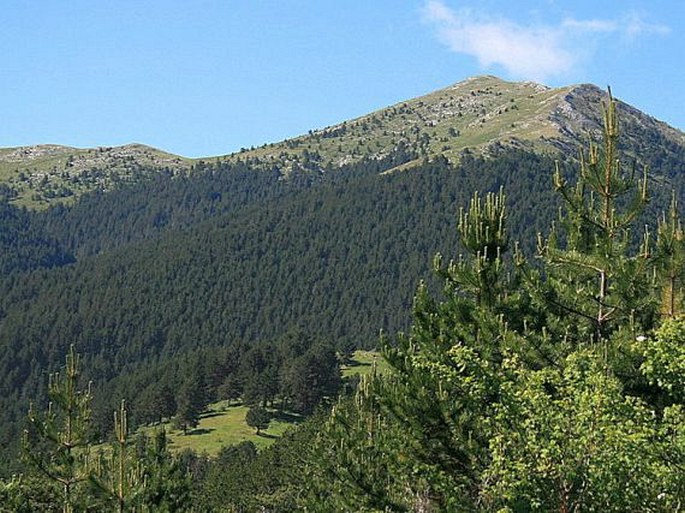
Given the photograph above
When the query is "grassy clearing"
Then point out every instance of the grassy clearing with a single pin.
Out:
(362, 363)
(222, 426)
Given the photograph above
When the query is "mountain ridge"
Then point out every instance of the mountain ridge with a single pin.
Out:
(39, 175)
(473, 114)
(477, 114)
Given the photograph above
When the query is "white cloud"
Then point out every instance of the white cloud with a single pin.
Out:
(634, 25)
(630, 26)
(527, 51)
(589, 25)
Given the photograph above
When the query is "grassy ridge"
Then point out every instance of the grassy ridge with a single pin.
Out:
(474, 114)
(45, 174)
(471, 114)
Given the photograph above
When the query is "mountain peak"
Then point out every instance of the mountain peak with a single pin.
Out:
(494, 81)
(480, 114)
(475, 114)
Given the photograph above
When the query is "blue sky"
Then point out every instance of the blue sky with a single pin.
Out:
(207, 77)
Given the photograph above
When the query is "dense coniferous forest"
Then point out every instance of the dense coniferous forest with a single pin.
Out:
(338, 257)
(243, 256)
(238, 282)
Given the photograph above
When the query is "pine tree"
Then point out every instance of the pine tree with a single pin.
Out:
(594, 284)
(189, 407)
(58, 445)
(311, 378)
(57, 442)
(118, 474)
(167, 486)
(670, 261)
(359, 460)
(514, 391)
(191, 400)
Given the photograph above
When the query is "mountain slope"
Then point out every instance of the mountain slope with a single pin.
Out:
(340, 260)
(475, 115)
(37, 176)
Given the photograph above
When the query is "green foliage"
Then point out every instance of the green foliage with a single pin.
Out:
(23, 494)
(191, 400)
(56, 443)
(258, 418)
(311, 378)
(569, 440)
(25, 245)
(117, 474)
(225, 480)
(360, 460)
(167, 488)
(522, 389)
(664, 357)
